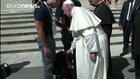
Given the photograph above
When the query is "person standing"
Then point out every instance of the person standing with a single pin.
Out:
(64, 24)
(66, 33)
(90, 42)
(43, 21)
(103, 12)
(136, 39)
(126, 24)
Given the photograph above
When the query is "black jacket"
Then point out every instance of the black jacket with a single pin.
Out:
(124, 11)
(123, 15)
(136, 30)
(105, 14)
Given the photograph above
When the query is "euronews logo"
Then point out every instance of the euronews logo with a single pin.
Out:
(22, 6)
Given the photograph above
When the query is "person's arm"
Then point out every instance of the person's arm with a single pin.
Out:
(40, 32)
(58, 23)
(92, 42)
(121, 17)
(58, 15)
(38, 15)
(73, 45)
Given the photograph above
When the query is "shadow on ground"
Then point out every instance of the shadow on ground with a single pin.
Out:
(17, 66)
(119, 64)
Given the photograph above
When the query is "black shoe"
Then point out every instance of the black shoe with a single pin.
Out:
(131, 70)
(123, 53)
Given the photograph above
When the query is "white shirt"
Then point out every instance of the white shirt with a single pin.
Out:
(53, 25)
(127, 18)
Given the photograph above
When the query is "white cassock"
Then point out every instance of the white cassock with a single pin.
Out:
(89, 37)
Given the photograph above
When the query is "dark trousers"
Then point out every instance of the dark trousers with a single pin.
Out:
(48, 61)
(67, 40)
(108, 30)
(137, 65)
(126, 35)
(74, 76)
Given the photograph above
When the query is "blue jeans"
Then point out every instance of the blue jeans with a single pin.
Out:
(48, 61)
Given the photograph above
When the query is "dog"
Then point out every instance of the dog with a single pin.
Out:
(70, 60)
(63, 64)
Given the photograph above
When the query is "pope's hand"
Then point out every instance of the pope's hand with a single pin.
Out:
(69, 51)
(93, 57)
(68, 29)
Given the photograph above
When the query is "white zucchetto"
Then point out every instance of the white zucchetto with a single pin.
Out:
(68, 2)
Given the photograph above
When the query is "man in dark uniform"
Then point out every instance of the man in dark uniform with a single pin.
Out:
(135, 14)
(126, 24)
(66, 35)
(64, 24)
(105, 14)
(136, 39)
(43, 20)
(65, 32)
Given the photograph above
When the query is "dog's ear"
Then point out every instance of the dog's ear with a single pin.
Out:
(60, 56)
(71, 55)
(61, 51)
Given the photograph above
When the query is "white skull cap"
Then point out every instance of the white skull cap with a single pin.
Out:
(68, 2)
